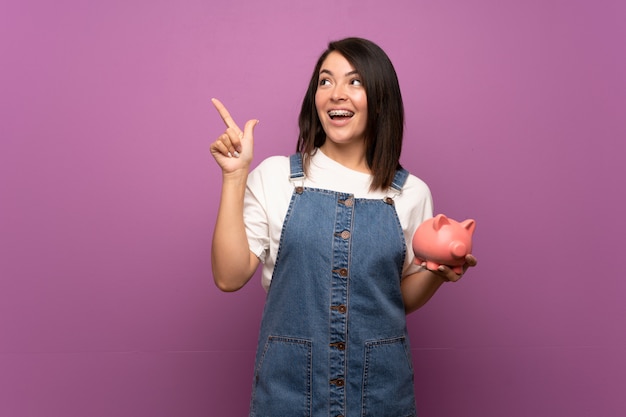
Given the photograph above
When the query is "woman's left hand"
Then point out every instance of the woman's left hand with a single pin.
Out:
(447, 274)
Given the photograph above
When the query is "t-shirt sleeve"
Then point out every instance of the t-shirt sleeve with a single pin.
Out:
(255, 215)
(420, 208)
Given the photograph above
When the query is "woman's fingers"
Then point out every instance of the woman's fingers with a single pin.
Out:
(224, 146)
(248, 134)
(233, 149)
(226, 117)
(471, 260)
(233, 136)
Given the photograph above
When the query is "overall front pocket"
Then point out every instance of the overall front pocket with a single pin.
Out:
(388, 379)
(282, 379)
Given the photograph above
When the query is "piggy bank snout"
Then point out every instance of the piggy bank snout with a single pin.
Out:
(458, 249)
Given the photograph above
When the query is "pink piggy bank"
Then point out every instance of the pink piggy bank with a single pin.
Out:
(443, 241)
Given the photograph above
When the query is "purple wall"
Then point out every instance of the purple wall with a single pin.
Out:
(515, 117)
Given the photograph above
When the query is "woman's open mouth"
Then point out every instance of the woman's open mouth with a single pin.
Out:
(340, 114)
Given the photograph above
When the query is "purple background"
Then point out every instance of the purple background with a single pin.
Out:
(108, 194)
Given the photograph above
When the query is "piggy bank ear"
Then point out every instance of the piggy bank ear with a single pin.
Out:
(469, 225)
(440, 221)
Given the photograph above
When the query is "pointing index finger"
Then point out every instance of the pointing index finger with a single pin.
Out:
(225, 115)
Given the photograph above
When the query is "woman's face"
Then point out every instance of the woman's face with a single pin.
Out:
(341, 101)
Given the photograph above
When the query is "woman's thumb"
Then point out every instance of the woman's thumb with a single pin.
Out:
(248, 130)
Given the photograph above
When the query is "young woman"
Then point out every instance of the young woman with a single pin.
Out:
(332, 225)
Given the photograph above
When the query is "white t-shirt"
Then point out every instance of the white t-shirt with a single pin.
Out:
(269, 192)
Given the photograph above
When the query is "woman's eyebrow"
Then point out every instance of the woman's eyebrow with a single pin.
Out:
(329, 72)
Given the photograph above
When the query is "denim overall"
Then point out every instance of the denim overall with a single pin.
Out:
(333, 339)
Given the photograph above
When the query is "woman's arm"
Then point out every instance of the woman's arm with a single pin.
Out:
(231, 260)
(418, 288)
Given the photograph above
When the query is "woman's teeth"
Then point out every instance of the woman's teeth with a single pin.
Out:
(340, 113)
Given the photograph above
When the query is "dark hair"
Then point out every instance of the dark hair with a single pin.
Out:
(385, 111)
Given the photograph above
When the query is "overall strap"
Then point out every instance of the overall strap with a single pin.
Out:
(296, 172)
(295, 165)
(399, 179)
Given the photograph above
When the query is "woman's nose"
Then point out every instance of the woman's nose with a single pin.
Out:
(339, 93)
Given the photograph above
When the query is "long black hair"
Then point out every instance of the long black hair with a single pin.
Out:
(385, 110)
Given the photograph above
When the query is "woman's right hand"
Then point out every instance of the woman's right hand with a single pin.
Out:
(233, 149)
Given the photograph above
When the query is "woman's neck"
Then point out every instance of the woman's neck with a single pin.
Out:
(352, 156)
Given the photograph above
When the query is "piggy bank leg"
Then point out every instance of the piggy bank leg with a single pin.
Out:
(432, 265)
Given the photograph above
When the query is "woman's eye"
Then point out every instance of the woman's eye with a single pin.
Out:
(356, 81)
(324, 81)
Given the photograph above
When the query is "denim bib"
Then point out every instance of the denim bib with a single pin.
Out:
(333, 339)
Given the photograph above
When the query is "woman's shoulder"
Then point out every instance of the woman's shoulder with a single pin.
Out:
(415, 184)
(415, 197)
(270, 176)
(273, 165)
(275, 161)
(414, 204)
